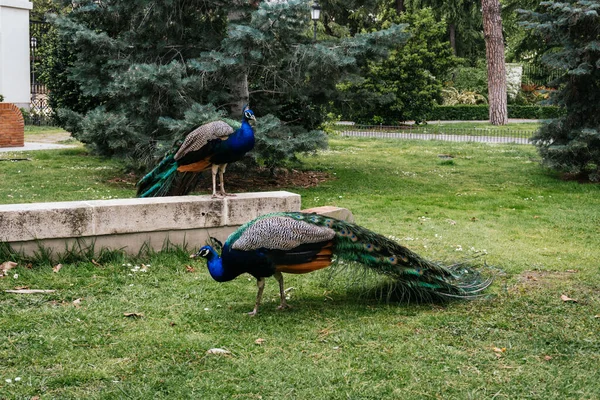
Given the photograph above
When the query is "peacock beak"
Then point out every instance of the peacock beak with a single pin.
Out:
(194, 255)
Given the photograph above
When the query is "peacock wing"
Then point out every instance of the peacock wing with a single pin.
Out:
(199, 137)
(280, 233)
(293, 246)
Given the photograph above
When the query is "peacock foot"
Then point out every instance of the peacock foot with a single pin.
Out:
(216, 195)
(225, 194)
(252, 313)
(284, 306)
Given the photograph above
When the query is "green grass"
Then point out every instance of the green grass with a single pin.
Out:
(540, 232)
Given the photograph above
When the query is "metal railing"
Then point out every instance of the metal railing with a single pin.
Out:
(433, 132)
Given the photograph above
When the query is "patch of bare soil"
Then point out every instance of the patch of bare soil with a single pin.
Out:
(261, 180)
(544, 278)
(50, 137)
(256, 179)
(581, 177)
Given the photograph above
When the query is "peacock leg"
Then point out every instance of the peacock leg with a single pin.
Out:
(261, 286)
(214, 179)
(221, 172)
(283, 305)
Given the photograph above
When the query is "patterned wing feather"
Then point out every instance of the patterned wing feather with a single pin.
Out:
(281, 233)
(200, 136)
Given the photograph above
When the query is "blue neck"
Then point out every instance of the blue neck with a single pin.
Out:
(216, 269)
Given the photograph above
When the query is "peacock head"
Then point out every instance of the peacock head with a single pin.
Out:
(205, 252)
(248, 114)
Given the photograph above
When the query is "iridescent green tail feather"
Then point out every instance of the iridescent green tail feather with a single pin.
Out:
(412, 276)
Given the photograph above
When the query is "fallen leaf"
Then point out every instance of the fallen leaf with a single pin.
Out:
(535, 217)
(259, 341)
(547, 358)
(57, 268)
(96, 263)
(189, 268)
(218, 351)
(76, 302)
(21, 287)
(567, 299)
(7, 266)
(499, 350)
(572, 271)
(133, 315)
(531, 278)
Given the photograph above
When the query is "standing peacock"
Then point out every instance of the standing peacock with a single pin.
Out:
(299, 243)
(212, 145)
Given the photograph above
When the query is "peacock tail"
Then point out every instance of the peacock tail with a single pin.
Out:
(158, 181)
(412, 276)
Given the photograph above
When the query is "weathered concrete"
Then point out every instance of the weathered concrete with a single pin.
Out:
(331, 211)
(130, 224)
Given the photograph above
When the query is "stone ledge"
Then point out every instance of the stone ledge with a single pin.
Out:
(331, 211)
(127, 223)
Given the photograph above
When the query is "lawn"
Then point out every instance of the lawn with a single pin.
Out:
(447, 201)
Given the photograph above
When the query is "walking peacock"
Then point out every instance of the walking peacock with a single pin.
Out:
(299, 243)
(212, 145)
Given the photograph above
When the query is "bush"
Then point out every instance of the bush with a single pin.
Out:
(481, 112)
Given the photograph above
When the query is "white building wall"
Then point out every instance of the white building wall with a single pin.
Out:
(14, 52)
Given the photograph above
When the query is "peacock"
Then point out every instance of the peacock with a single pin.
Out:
(212, 145)
(298, 243)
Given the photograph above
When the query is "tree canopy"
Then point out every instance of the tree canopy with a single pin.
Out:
(570, 33)
(136, 74)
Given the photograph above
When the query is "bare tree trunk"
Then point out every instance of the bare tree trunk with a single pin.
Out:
(494, 50)
(452, 34)
(238, 81)
(400, 6)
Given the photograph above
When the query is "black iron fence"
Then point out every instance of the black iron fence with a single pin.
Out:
(434, 132)
(40, 111)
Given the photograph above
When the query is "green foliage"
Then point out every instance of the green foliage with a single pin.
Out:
(451, 97)
(1, 98)
(481, 112)
(470, 78)
(407, 85)
(277, 143)
(133, 71)
(571, 36)
(464, 17)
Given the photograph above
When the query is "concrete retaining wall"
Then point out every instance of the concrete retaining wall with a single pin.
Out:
(130, 224)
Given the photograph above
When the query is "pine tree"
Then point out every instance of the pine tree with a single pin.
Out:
(153, 70)
(570, 31)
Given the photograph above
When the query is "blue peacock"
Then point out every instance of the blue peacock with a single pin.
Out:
(299, 243)
(212, 145)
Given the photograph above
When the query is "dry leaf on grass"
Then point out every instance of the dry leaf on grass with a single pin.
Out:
(96, 263)
(77, 302)
(133, 315)
(7, 266)
(218, 351)
(56, 268)
(547, 358)
(566, 298)
(259, 341)
(189, 268)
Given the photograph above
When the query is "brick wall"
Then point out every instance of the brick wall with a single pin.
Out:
(12, 126)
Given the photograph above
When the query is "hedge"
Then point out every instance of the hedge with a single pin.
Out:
(466, 112)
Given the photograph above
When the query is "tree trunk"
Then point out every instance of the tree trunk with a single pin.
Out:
(238, 82)
(494, 51)
(452, 34)
(400, 6)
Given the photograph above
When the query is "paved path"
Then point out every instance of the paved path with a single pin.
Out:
(30, 146)
(440, 136)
